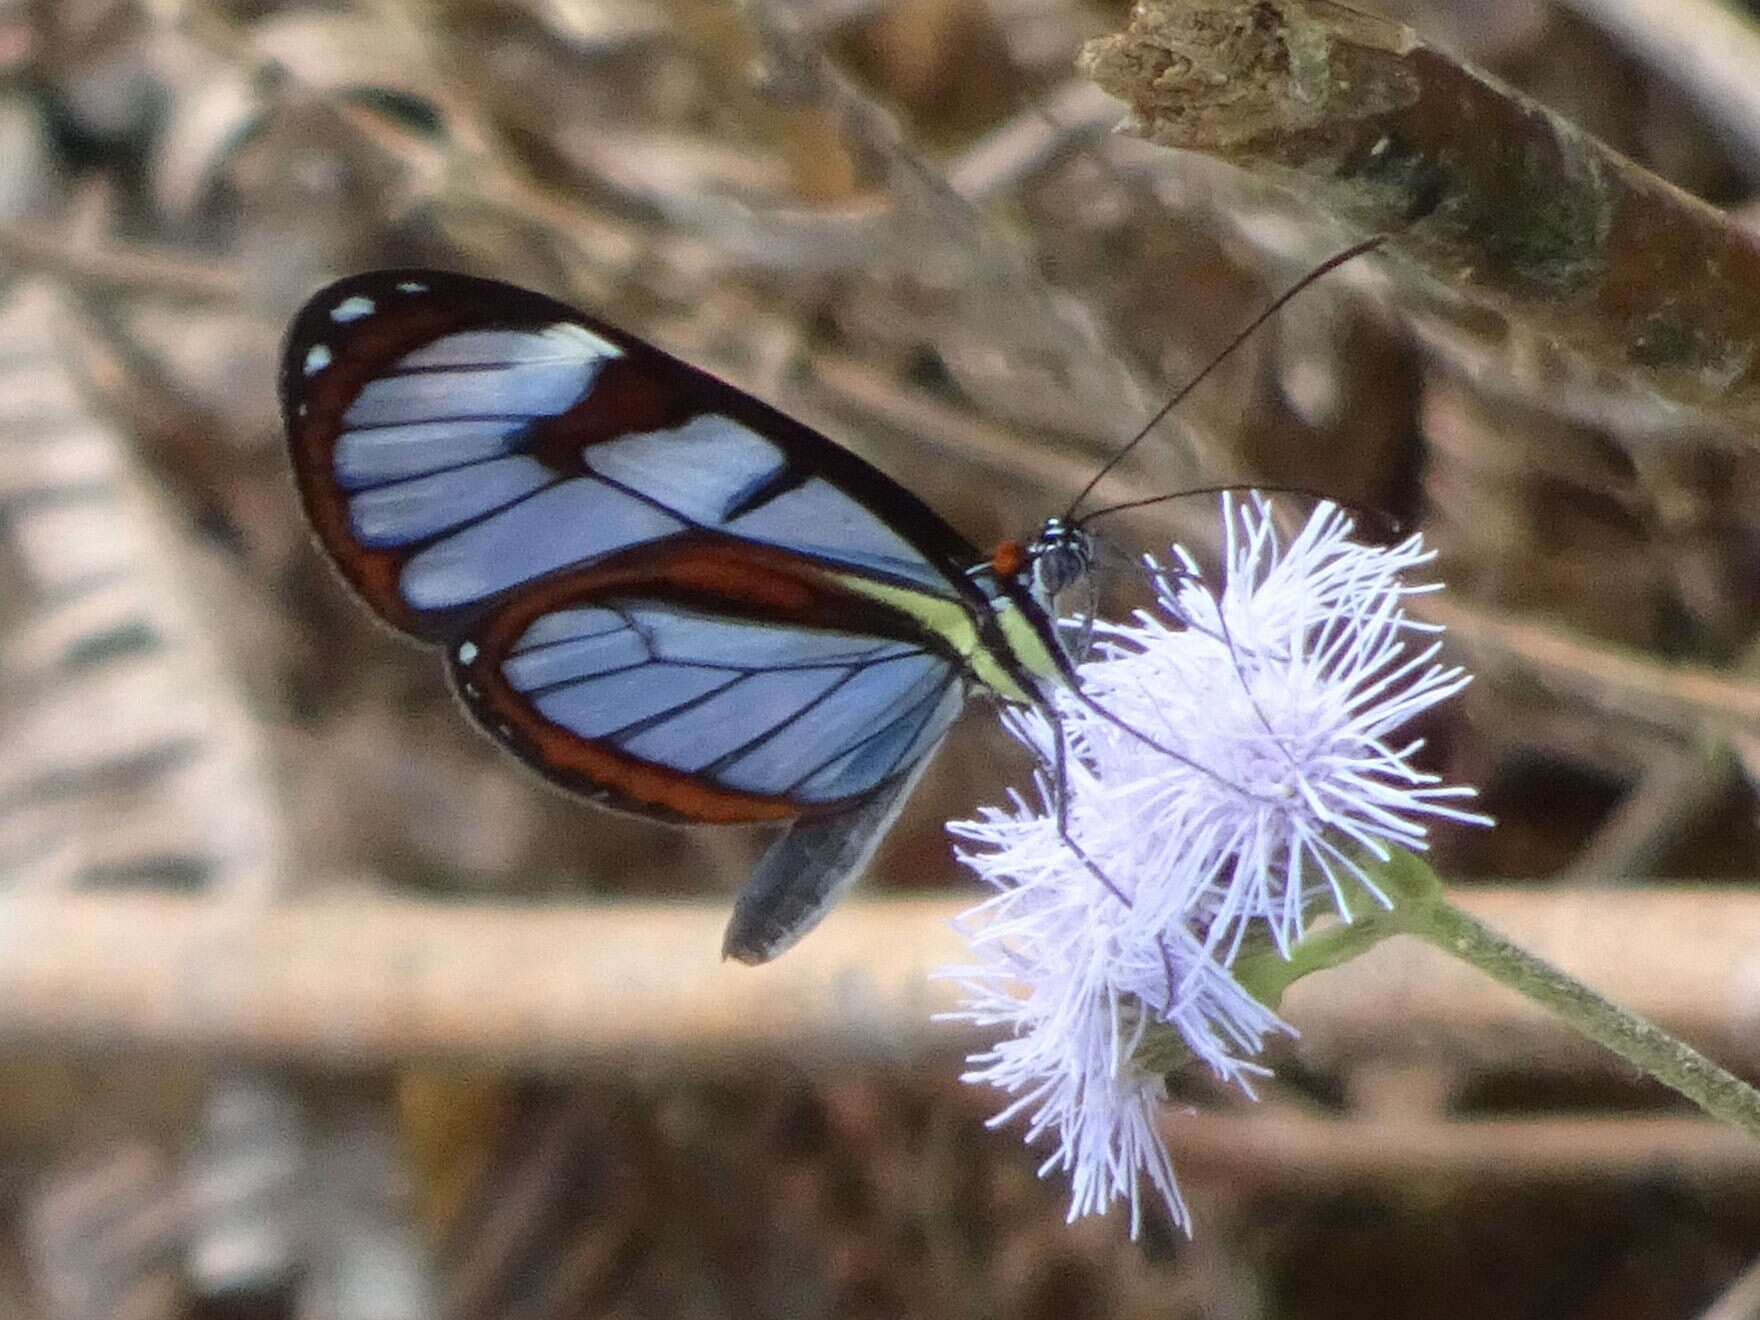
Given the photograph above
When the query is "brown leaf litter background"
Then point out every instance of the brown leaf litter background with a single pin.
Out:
(312, 1005)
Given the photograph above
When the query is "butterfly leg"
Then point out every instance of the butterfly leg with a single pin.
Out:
(1060, 800)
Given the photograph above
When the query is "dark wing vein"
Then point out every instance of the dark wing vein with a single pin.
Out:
(923, 707)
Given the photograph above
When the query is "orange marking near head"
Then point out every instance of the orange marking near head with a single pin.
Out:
(1009, 558)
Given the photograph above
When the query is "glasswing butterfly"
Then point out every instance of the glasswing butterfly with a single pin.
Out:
(655, 590)
(658, 592)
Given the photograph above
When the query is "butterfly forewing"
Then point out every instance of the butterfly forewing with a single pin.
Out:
(654, 588)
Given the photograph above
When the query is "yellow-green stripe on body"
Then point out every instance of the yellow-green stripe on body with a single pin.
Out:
(951, 621)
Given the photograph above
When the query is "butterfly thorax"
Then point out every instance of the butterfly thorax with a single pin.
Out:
(1021, 584)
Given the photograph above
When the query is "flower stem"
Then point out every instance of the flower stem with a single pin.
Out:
(1420, 909)
(1410, 901)
(1266, 973)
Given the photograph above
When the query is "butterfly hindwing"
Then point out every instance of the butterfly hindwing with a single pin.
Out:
(676, 681)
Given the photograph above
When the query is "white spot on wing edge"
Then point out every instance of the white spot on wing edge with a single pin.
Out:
(467, 653)
(317, 358)
(352, 309)
(411, 286)
(576, 341)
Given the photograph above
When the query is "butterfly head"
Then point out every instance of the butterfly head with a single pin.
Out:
(1059, 557)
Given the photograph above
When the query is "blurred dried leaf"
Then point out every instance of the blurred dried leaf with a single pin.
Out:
(103, 1238)
(248, 1226)
(131, 758)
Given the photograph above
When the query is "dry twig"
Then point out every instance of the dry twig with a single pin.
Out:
(1505, 216)
(372, 980)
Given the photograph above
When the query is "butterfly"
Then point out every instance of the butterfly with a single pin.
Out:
(655, 590)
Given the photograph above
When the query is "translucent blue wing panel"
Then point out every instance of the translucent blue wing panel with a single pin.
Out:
(722, 475)
(484, 373)
(803, 714)
(880, 709)
(393, 453)
(399, 512)
(907, 735)
(706, 469)
(706, 731)
(614, 701)
(816, 518)
(572, 522)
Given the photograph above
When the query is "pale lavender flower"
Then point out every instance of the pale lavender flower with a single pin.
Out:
(1228, 767)
(1280, 695)
(1075, 981)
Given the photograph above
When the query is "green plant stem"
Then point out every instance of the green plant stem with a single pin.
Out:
(1670, 1061)
(1420, 909)
(1417, 906)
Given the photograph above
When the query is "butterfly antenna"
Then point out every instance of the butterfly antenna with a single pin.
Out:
(1389, 524)
(1325, 267)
